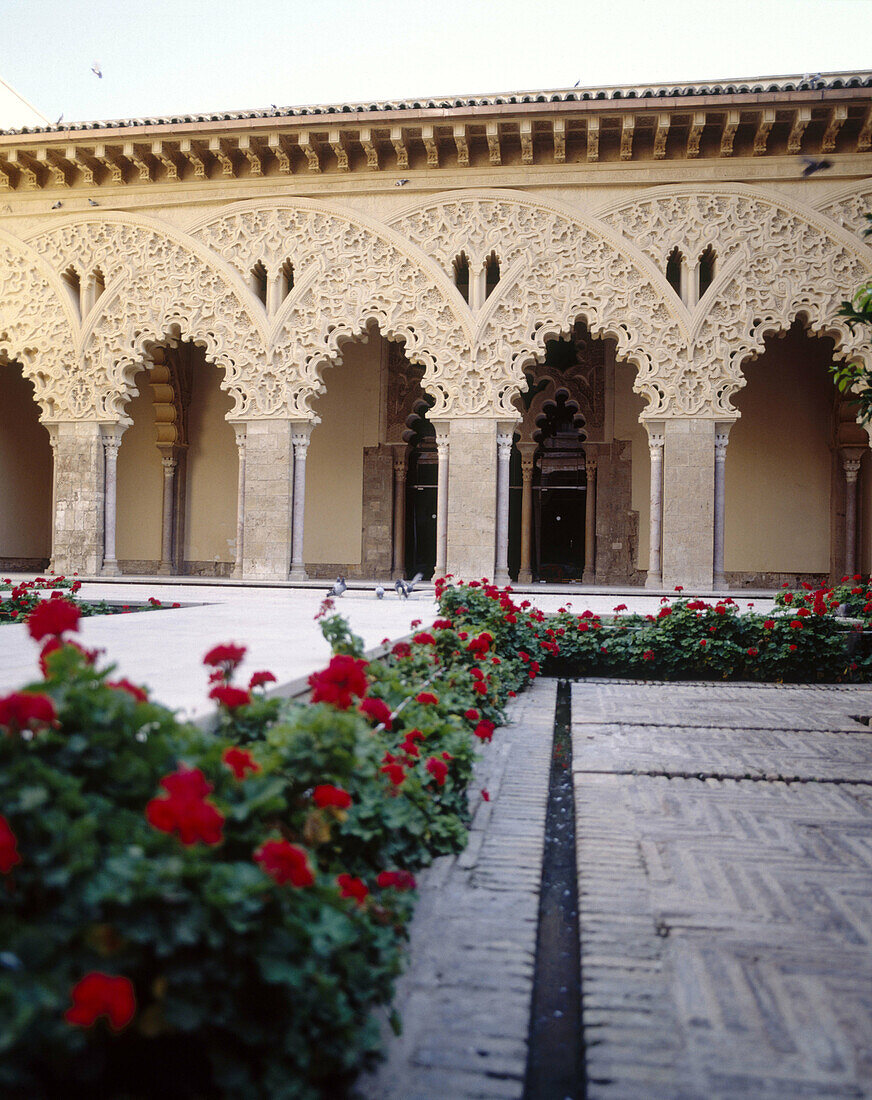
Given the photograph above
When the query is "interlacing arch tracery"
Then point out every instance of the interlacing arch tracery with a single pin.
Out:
(778, 261)
(555, 267)
(37, 328)
(350, 274)
(159, 286)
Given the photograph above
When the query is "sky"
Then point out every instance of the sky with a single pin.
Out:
(161, 57)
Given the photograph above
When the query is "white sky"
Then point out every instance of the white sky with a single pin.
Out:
(172, 56)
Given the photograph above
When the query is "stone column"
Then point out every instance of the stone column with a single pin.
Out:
(267, 499)
(401, 462)
(688, 503)
(472, 498)
(53, 441)
(79, 497)
(505, 432)
(477, 287)
(273, 293)
(239, 429)
(301, 434)
(169, 463)
(442, 432)
(722, 433)
(111, 436)
(851, 465)
(528, 461)
(655, 446)
(589, 575)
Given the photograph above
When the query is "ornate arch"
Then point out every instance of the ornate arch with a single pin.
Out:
(350, 273)
(159, 284)
(38, 328)
(779, 260)
(558, 267)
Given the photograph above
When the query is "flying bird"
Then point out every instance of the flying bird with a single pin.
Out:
(406, 588)
(401, 183)
(379, 592)
(339, 586)
(96, 70)
(57, 205)
(812, 165)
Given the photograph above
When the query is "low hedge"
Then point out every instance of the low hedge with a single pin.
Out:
(196, 914)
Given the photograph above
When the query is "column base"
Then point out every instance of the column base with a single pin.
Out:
(502, 577)
(110, 569)
(654, 580)
(719, 582)
(165, 569)
(525, 576)
(237, 570)
(298, 573)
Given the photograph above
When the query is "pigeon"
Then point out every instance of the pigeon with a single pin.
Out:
(812, 165)
(401, 183)
(339, 586)
(92, 203)
(96, 70)
(57, 205)
(379, 592)
(405, 588)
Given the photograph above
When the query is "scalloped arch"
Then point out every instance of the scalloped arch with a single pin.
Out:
(162, 283)
(352, 273)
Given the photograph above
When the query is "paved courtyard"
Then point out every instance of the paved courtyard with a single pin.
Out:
(724, 846)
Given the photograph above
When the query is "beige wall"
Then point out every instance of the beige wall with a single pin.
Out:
(628, 408)
(25, 470)
(213, 470)
(349, 412)
(779, 462)
(140, 482)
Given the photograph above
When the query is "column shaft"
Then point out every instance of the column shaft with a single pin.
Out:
(166, 542)
(442, 501)
(111, 435)
(851, 466)
(528, 450)
(589, 576)
(655, 446)
(300, 437)
(399, 518)
(504, 457)
(240, 499)
(721, 435)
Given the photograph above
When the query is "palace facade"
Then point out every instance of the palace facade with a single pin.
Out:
(571, 335)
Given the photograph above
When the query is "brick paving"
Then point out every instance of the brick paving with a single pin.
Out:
(724, 842)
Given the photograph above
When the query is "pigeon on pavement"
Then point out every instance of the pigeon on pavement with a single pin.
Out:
(339, 586)
(405, 588)
(379, 592)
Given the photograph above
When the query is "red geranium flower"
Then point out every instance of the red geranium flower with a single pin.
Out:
(480, 686)
(438, 769)
(480, 645)
(8, 847)
(97, 995)
(648, 655)
(259, 679)
(472, 714)
(426, 697)
(402, 649)
(26, 710)
(377, 711)
(342, 679)
(442, 624)
(53, 617)
(325, 795)
(768, 624)
(753, 651)
(424, 638)
(394, 772)
(396, 880)
(240, 761)
(227, 656)
(484, 731)
(485, 795)
(229, 696)
(125, 685)
(285, 862)
(796, 624)
(792, 648)
(185, 810)
(350, 887)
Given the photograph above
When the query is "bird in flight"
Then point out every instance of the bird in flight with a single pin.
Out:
(96, 70)
(406, 588)
(812, 165)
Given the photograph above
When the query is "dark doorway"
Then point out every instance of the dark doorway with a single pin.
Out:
(559, 495)
(421, 511)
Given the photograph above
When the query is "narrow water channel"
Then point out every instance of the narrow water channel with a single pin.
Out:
(555, 1063)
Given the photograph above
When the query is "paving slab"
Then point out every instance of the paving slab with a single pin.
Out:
(726, 923)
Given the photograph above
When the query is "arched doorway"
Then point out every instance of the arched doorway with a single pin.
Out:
(26, 473)
(421, 492)
(178, 470)
(559, 492)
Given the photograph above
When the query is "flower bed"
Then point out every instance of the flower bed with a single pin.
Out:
(25, 595)
(207, 915)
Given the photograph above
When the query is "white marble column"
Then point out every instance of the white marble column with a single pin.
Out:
(589, 575)
(528, 461)
(722, 433)
(240, 430)
(111, 438)
(169, 463)
(53, 440)
(655, 446)
(301, 433)
(851, 465)
(401, 461)
(477, 286)
(274, 290)
(504, 458)
(442, 430)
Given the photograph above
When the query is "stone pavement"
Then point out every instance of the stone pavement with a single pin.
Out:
(724, 848)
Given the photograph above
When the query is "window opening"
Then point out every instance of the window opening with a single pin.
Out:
(461, 276)
(674, 270)
(706, 270)
(491, 274)
(259, 282)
